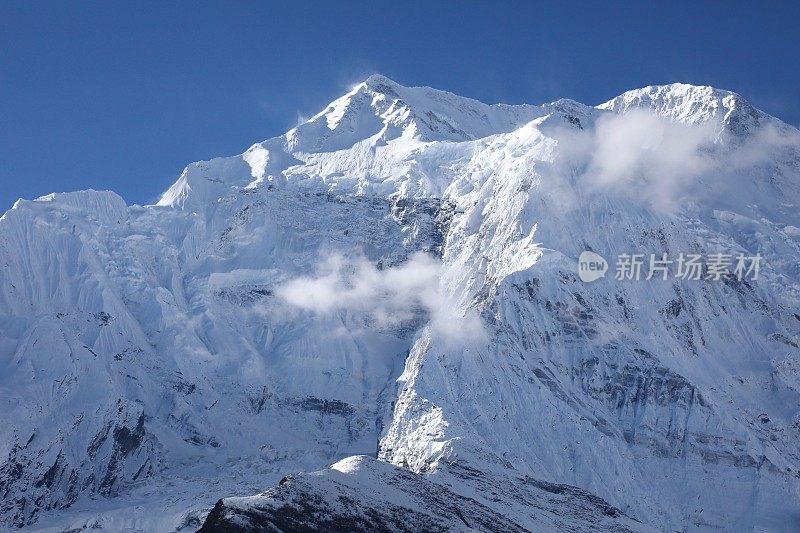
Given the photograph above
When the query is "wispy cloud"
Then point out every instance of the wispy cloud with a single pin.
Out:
(390, 296)
(661, 162)
(648, 155)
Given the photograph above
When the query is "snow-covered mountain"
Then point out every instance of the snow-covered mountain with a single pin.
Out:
(392, 287)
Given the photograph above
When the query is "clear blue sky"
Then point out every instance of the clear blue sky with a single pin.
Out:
(122, 95)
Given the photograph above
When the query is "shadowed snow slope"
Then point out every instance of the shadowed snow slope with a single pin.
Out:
(156, 359)
(362, 494)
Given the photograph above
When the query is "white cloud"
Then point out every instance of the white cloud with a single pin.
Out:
(664, 163)
(389, 295)
(649, 157)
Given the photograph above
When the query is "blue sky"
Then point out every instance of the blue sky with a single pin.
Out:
(122, 95)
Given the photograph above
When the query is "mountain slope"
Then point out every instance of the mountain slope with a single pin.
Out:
(271, 314)
(362, 494)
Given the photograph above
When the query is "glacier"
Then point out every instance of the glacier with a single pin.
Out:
(157, 377)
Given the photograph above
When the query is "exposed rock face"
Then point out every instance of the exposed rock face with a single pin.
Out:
(153, 362)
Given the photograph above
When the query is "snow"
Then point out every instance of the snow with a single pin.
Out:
(392, 499)
(150, 363)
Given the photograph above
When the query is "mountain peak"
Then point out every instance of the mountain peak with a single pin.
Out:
(382, 84)
(381, 107)
(363, 127)
(683, 102)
